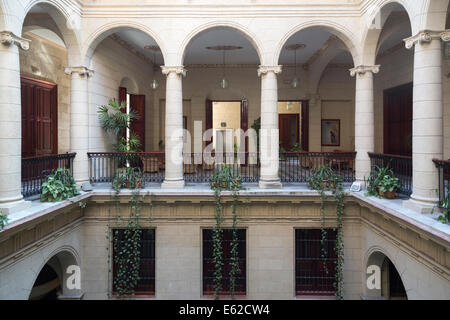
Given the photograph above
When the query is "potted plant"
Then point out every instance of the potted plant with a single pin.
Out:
(130, 178)
(323, 177)
(388, 186)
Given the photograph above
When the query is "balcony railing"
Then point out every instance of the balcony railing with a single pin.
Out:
(103, 166)
(444, 179)
(296, 167)
(198, 167)
(36, 169)
(400, 165)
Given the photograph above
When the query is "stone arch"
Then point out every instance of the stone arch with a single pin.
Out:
(60, 259)
(96, 37)
(376, 20)
(334, 28)
(2, 17)
(227, 24)
(377, 256)
(67, 23)
(129, 83)
(434, 15)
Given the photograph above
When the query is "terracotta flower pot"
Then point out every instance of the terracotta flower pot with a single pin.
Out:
(388, 194)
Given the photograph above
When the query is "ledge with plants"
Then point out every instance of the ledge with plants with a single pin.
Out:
(58, 186)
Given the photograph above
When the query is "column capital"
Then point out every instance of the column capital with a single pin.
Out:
(426, 36)
(267, 69)
(8, 38)
(80, 70)
(360, 70)
(178, 70)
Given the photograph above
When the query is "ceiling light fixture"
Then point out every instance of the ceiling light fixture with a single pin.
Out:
(295, 82)
(154, 84)
(224, 83)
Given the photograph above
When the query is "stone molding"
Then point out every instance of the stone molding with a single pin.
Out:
(8, 38)
(426, 36)
(178, 70)
(80, 70)
(360, 70)
(266, 69)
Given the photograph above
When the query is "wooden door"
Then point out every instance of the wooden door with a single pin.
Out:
(305, 126)
(398, 120)
(208, 117)
(289, 130)
(39, 118)
(137, 104)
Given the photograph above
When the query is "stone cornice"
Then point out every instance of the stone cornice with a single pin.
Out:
(360, 70)
(8, 38)
(266, 69)
(178, 70)
(80, 70)
(426, 36)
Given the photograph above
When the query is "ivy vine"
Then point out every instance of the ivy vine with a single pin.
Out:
(325, 181)
(126, 241)
(225, 180)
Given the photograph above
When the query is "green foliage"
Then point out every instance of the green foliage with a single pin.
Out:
(324, 180)
(3, 220)
(444, 217)
(389, 183)
(127, 249)
(59, 186)
(130, 178)
(113, 120)
(296, 147)
(381, 180)
(257, 127)
(222, 180)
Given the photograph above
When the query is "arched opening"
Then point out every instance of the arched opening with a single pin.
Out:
(223, 91)
(315, 63)
(45, 94)
(53, 283)
(385, 282)
(126, 61)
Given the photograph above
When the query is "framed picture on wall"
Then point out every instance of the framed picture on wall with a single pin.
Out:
(331, 132)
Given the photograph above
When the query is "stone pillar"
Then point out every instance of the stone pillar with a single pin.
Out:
(364, 119)
(174, 127)
(427, 117)
(79, 121)
(11, 199)
(315, 123)
(269, 135)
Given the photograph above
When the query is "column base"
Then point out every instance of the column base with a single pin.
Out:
(172, 184)
(421, 205)
(270, 184)
(15, 206)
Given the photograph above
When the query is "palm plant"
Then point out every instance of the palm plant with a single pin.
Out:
(114, 120)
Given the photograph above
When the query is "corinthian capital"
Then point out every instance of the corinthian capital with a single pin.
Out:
(360, 70)
(426, 36)
(80, 70)
(178, 70)
(8, 38)
(267, 69)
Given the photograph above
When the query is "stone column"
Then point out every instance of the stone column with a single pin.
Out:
(315, 123)
(174, 127)
(427, 117)
(269, 135)
(79, 121)
(364, 119)
(11, 199)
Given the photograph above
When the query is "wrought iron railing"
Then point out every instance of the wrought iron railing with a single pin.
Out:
(104, 166)
(444, 179)
(199, 167)
(296, 167)
(36, 169)
(400, 165)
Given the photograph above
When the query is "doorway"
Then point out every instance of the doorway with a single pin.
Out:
(293, 125)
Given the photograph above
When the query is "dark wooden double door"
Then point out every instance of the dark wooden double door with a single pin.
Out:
(397, 116)
(39, 117)
(289, 129)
